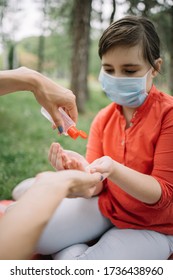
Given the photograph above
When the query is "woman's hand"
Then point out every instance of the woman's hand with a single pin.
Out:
(62, 159)
(51, 96)
(69, 183)
(48, 93)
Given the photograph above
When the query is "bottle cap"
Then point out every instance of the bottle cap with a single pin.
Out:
(73, 132)
(83, 134)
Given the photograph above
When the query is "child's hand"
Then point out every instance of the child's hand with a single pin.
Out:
(62, 159)
(104, 165)
(55, 156)
(71, 162)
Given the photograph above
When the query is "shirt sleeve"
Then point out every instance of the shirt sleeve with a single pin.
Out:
(94, 146)
(163, 161)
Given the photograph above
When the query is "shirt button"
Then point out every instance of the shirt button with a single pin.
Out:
(131, 124)
(122, 142)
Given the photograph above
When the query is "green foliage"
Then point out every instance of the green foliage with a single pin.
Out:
(26, 136)
(29, 45)
(58, 50)
(57, 53)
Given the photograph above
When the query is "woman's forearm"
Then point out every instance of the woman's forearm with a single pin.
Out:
(23, 224)
(17, 80)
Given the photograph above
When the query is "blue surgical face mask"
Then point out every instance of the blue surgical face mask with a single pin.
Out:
(125, 91)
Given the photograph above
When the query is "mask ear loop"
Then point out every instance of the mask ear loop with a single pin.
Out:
(148, 71)
(145, 76)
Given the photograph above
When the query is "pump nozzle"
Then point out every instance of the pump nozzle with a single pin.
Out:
(69, 125)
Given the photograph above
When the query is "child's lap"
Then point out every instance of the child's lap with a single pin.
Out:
(75, 220)
(122, 244)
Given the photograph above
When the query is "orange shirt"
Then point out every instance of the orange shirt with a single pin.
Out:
(147, 147)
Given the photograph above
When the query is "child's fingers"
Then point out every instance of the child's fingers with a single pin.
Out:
(66, 161)
(59, 165)
(54, 148)
(69, 163)
(73, 163)
(80, 166)
(52, 154)
(55, 156)
(65, 158)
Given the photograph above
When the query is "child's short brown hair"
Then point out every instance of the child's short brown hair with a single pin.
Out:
(130, 31)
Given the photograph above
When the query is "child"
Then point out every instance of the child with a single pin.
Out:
(130, 143)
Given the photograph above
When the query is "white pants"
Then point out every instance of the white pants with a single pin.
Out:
(77, 221)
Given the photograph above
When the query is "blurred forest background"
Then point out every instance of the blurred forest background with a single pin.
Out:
(63, 45)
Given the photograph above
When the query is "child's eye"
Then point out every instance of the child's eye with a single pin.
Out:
(109, 71)
(130, 72)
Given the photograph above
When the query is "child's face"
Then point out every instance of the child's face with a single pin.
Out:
(127, 62)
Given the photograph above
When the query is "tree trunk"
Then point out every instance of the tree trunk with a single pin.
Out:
(12, 60)
(41, 43)
(80, 52)
(41, 48)
(113, 11)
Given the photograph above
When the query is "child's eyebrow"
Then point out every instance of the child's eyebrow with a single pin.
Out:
(130, 65)
(123, 65)
(106, 64)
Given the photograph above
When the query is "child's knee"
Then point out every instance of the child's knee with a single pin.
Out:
(70, 253)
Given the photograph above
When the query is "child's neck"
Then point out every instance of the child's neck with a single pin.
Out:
(128, 114)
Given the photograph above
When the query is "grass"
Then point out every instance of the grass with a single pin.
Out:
(25, 136)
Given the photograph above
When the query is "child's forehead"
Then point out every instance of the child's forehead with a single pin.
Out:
(124, 55)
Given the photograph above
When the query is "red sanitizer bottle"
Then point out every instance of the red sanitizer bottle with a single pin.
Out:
(69, 125)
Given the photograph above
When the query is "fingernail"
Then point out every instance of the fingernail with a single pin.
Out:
(101, 178)
(60, 128)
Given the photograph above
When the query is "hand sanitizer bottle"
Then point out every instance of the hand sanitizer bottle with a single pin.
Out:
(69, 125)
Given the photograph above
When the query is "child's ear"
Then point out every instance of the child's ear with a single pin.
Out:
(158, 63)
